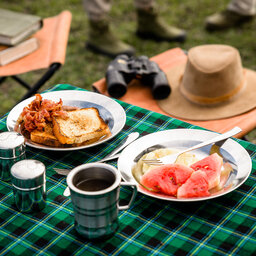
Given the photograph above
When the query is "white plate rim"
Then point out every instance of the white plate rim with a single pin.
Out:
(109, 104)
(233, 148)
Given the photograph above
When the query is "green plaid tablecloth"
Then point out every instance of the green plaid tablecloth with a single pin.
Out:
(221, 226)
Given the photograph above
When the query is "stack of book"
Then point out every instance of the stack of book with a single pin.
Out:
(16, 30)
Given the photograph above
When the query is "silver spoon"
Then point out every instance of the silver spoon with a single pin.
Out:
(129, 139)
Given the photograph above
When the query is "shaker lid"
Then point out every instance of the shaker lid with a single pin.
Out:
(12, 144)
(28, 173)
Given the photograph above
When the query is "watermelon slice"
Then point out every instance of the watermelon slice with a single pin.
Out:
(211, 165)
(166, 178)
(196, 186)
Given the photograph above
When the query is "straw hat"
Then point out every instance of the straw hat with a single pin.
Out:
(212, 84)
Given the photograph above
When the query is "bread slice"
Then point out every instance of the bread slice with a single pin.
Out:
(45, 137)
(83, 126)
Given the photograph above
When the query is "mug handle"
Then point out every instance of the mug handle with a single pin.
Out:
(125, 207)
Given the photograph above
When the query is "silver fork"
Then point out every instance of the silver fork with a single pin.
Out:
(65, 172)
(172, 158)
(129, 139)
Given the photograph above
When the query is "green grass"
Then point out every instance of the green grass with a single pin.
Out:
(82, 67)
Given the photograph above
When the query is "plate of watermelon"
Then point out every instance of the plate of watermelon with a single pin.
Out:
(202, 174)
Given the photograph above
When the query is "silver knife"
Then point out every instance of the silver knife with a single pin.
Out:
(128, 140)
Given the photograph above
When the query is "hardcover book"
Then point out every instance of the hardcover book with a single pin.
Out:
(12, 53)
(15, 26)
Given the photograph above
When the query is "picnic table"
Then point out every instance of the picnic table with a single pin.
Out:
(225, 225)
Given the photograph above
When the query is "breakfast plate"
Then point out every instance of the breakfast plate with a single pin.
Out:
(111, 112)
(232, 152)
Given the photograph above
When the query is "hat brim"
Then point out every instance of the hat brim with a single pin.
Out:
(177, 105)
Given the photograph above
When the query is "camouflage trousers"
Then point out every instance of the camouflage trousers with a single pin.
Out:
(98, 9)
(243, 7)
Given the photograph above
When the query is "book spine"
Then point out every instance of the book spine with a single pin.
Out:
(14, 53)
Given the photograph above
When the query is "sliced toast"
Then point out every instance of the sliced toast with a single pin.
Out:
(83, 126)
(46, 137)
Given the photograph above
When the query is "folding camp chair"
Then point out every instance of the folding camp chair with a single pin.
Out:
(50, 55)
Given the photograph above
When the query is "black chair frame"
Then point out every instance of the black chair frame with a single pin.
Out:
(32, 89)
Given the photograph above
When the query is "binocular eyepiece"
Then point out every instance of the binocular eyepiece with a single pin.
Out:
(123, 69)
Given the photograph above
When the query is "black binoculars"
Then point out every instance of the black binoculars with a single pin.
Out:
(123, 69)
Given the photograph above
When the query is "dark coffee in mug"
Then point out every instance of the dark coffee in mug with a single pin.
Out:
(94, 179)
(94, 184)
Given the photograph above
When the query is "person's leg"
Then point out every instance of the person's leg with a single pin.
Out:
(101, 39)
(237, 12)
(152, 26)
(244, 7)
(97, 9)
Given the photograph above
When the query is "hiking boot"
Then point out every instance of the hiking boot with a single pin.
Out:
(151, 26)
(102, 40)
(225, 19)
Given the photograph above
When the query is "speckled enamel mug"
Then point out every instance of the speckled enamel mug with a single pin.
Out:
(95, 190)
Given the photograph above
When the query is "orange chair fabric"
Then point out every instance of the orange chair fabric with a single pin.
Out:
(53, 38)
(141, 96)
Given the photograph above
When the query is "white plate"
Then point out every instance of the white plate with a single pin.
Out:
(112, 113)
(232, 152)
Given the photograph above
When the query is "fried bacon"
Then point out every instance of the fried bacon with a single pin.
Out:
(39, 112)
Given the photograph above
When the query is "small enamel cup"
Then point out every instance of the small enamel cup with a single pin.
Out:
(96, 211)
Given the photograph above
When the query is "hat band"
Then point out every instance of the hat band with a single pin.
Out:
(213, 100)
